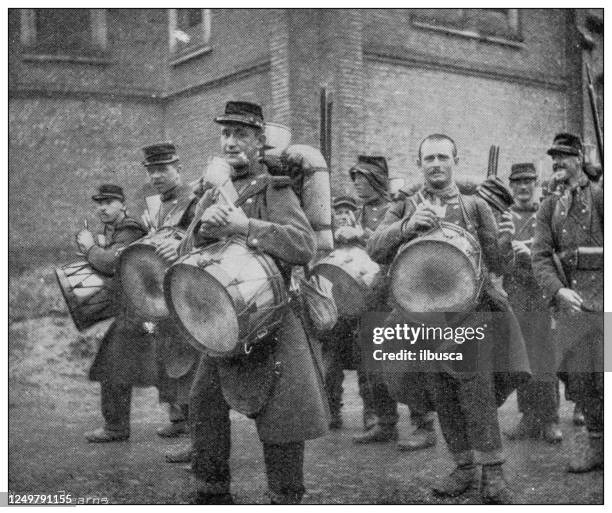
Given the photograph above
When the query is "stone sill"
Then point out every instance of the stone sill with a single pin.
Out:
(471, 35)
(192, 54)
(82, 59)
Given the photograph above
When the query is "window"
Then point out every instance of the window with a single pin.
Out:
(64, 32)
(493, 24)
(189, 33)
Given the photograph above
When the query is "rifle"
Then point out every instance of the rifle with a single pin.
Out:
(595, 113)
(493, 161)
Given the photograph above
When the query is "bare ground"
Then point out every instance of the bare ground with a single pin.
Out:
(52, 403)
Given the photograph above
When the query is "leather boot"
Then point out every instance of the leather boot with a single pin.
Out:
(587, 452)
(335, 418)
(578, 416)
(422, 437)
(173, 429)
(103, 435)
(458, 481)
(494, 489)
(181, 455)
(552, 433)
(526, 428)
(379, 433)
(369, 419)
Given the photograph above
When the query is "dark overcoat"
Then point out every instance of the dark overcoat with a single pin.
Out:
(126, 354)
(280, 385)
(506, 356)
(563, 224)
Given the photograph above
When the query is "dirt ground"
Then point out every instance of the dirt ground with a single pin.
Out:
(52, 403)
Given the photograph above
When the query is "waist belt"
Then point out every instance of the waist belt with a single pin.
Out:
(584, 258)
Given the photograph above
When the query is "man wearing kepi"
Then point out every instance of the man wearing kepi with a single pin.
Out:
(466, 404)
(538, 399)
(277, 383)
(175, 209)
(126, 357)
(567, 259)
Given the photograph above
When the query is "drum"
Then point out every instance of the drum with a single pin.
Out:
(439, 271)
(141, 274)
(89, 295)
(352, 274)
(227, 296)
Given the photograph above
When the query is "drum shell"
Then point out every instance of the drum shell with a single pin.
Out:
(446, 251)
(146, 301)
(353, 275)
(222, 265)
(97, 300)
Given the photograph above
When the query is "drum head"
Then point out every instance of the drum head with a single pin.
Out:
(204, 309)
(432, 276)
(350, 296)
(142, 281)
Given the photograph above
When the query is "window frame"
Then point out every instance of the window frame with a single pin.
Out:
(191, 50)
(514, 23)
(96, 54)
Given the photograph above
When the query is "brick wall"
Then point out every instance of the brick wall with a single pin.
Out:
(59, 150)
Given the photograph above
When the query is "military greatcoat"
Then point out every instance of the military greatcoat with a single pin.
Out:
(279, 383)
(126, 354)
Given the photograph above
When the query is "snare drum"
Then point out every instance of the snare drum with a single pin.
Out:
(352, 274)
(227, 296)
(439, 271)
(90, 296)
(141, 274)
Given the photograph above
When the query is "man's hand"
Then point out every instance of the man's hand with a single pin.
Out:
(348, 233)
(521, 249)
(424, 218)
(85, 240)
(167, 249)
(220, 220)
(569, 299)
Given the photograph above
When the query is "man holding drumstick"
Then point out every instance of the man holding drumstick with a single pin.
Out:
(125, 358)
(276, 383)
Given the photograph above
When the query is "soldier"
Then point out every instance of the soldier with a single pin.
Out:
(176, 209)
(293, 409)
(126, 356)
(466, 404)
(567, 259)
(371, 177)
(538, 399)
(339, 344)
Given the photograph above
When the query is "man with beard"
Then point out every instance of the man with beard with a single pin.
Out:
(538, 399)
(567, 259)
(465, 403)
(125, 357)
(277, 383)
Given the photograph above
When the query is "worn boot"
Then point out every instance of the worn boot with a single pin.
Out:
(578, 416)
(458, 481)
(551, 433)
(587, 452)
(494, 489)
(181, 455)
(104, 435)
(422, 437)
(173, 429)
(379, 433)
(526, 428)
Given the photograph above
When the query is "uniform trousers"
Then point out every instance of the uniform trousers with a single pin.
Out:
(539, 400)
(211, 437)
(467, 413)
(115, 400)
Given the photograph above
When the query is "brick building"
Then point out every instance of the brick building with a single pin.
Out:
(89, 87)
